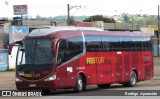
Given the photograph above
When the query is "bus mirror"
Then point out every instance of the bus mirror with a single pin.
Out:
(11, 46)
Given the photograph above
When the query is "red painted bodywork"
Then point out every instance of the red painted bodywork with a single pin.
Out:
(108, 68)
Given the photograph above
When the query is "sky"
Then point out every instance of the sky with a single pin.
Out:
(53, 8)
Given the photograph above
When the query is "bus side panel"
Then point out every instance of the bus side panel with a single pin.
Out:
(147, 65)
(126, 66)
(67, 73)
(140, 65)
(135, 62)
(104, 68)
(113, 65)
(72, 72)
(119, 65)
(90, 67)
(61, 74)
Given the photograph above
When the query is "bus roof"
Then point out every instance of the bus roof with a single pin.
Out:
(70, 31)
(50, 29)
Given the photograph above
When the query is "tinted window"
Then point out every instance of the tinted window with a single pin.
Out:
(139, 42)
(146, 44)
(127, 44)
(74, 47)
(106, 42)
(93, 44)
(43, 52)
(111, 44)
(69, 48)
(115, 44)
(35, 55)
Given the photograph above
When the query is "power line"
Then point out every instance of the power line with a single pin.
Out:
(69, 7)
(6, 2)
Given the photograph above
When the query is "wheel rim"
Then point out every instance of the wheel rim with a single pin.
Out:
(80, 84)
(133, 78)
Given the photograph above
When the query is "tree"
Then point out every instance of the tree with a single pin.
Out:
(99, 18)
(126, 18)
(109, 20)
(152, 20)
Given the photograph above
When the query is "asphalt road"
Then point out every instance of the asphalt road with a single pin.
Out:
(95, 93)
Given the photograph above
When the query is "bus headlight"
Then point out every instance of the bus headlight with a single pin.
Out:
(53, 77)
(18, 80)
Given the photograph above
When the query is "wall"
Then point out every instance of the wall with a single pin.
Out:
(121, 26)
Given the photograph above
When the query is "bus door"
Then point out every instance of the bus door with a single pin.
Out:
(70, 50)
(61, 72)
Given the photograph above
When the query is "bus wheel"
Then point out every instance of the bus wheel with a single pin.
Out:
(103, 85)
(79, 84)
(133, 80)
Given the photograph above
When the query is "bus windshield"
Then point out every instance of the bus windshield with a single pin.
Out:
(35, 54)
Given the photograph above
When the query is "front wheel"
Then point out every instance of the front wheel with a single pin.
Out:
(79, 84)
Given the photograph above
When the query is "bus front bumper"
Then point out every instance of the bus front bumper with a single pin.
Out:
(35, 85)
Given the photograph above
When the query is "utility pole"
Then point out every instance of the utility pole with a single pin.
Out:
(68, 11)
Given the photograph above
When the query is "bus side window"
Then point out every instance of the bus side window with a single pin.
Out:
(106, 44)
(93, 44)
(146, 44)
(127, 43)
(114, 44)
(61, 52)
(139, 44)
(150, 44)
(74, 47)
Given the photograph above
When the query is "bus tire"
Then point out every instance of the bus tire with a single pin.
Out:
(133, 80)
(103, 86)
(79, 84)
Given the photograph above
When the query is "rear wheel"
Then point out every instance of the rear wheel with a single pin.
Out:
(133, 80)
(79, 84)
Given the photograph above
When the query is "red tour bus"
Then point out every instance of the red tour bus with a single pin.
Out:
(74, 57)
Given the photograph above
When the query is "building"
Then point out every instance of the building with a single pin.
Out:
(32, 24)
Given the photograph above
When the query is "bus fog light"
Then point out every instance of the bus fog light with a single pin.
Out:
(53, 77)
(18, 80)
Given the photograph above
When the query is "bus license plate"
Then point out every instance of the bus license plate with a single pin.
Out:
(32, 85)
